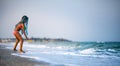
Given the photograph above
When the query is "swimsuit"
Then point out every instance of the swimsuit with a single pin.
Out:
(17, 29)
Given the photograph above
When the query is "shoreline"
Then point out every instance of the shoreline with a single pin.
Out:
(6, 59)
(55, 55)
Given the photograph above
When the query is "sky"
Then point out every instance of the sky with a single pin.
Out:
(77, 20)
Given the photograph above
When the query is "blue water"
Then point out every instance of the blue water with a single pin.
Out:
(73, 53)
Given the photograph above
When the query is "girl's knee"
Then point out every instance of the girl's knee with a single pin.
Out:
(21, 40)
(17, 40)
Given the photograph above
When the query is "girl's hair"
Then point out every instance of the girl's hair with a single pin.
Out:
(24, 20)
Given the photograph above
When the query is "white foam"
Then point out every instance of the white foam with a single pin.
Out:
(36, 46)
(26, 56)
(8, 47)
(111, 50)
(69, 53)
(88, 51)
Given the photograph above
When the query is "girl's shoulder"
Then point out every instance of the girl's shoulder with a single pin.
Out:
(21, 24)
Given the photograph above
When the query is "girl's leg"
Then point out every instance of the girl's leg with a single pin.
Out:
(21, 45)
(21, 41)
(17, 41)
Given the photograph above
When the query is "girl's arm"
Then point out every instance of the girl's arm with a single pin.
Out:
(24, 32)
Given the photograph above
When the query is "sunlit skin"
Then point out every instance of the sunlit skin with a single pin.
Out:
(18, 36)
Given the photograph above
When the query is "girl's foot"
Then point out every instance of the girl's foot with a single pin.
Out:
(21, 51)
(14, 49)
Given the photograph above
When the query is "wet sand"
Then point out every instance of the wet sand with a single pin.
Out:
(6, 59)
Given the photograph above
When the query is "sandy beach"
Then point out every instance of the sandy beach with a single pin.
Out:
(6, 59)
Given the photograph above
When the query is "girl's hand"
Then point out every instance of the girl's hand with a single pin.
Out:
(30, 40)
(27, 38)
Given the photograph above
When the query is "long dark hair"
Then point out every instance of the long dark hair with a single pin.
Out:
(24, 20)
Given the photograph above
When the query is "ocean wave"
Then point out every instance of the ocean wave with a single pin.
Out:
(88, 51)
(74, 48)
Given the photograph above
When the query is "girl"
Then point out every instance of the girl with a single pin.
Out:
(21, 26)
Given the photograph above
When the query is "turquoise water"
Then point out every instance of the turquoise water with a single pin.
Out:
(73, 53)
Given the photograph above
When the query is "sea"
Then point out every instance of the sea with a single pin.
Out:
(71, 53)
